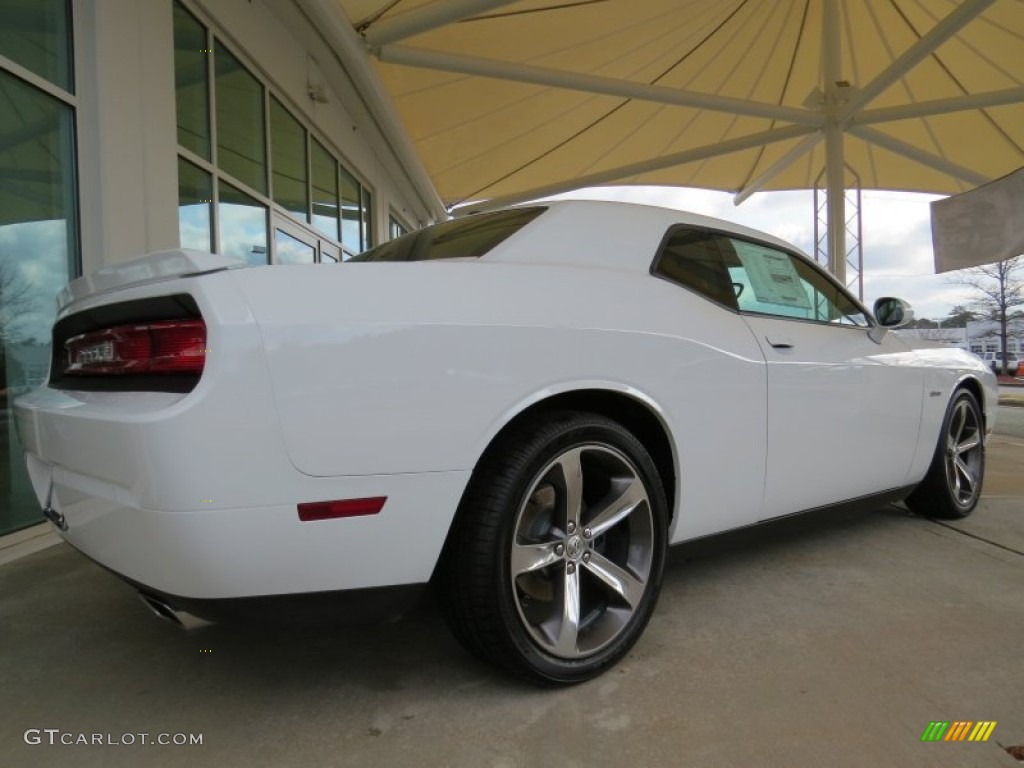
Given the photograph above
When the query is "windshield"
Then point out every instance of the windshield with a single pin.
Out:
(472, 236)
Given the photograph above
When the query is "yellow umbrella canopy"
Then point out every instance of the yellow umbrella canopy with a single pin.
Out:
(504, 101)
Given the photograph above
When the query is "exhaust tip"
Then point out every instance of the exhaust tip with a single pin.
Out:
(161, 609)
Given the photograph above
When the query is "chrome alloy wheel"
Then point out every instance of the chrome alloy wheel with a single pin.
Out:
(582, 551)
(964, 453)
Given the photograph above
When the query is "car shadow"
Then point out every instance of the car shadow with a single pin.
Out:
(65, 614)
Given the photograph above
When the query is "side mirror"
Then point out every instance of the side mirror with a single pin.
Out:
(893, 313)
(890, 313)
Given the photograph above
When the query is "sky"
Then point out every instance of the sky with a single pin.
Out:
(898, 259)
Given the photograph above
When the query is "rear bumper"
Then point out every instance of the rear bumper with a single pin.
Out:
(219, 553)
(334, 608)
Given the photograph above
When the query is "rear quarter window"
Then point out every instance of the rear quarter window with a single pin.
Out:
(472, 237)
(693, 258)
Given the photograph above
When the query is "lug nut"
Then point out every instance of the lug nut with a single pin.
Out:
(587, 533)
(586, 557)
(571, 527)
(560, 550)
(570, 568)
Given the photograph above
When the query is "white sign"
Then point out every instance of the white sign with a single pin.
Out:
(982, 226)
(772, 276)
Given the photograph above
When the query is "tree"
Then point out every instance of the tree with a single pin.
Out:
(15, 300)
(999, 290)
(958, 317)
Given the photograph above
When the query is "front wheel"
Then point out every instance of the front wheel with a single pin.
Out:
(952, 487)
(555, 561)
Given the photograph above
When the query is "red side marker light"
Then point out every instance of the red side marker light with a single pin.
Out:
(326, 510)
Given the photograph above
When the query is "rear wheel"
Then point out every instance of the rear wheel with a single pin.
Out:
(554, 564)
(952, 487)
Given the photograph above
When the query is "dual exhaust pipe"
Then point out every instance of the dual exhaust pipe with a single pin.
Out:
(182, 619)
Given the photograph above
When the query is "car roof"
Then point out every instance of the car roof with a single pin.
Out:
(608, 234)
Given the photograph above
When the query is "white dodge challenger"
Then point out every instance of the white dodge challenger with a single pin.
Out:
(524, 408)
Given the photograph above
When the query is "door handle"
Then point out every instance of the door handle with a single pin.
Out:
(780, 342)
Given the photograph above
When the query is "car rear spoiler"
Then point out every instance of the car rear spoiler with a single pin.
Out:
(154, 268)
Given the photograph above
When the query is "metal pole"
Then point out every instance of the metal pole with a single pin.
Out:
(835, 162)
(588, 83)
(835, 173)
(425, 18)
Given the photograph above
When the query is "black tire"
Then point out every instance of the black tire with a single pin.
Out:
(952, 487)
(517, 561)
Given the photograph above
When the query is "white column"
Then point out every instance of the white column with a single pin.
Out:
(126, 130)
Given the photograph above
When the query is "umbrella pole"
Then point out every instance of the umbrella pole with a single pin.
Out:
(835, 162)
(835, 173)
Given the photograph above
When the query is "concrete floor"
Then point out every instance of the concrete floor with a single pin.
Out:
(827, 642)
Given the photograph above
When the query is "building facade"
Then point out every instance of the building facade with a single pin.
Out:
(127, 127)
(979, 336)
(984, 337)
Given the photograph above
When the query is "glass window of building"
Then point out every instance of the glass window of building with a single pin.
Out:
(395, 228)
(351, 213)
(255, 166)
(356, 214)
(38, 220)
(241, 134)
(243, 225)
(367, 228)
(325, 190)
(37, 35)
(288, 161)
(291, 250)
(195, 207)
(191, 82)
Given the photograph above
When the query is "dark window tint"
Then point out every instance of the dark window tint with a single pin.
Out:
(37, 35)
(351, 213)
(694, 259)
(241, 139)
(325, 190)
(191, 83)
(473, 236)
(288, 161)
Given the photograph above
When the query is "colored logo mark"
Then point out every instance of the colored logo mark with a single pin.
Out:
(958, 730)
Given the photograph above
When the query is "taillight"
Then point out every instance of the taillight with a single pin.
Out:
(168, 346)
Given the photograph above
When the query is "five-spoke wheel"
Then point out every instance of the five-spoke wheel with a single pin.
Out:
(554, 563)
(581, 555)
(952, 486)
(964, 452)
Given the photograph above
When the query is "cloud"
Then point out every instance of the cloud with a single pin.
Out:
(34, 269)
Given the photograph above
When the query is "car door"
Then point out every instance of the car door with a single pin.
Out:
(843, 409)
(718, 395)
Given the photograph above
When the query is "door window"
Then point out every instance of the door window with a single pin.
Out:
(772, 282)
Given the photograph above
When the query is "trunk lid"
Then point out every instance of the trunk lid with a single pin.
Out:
(154, 268)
